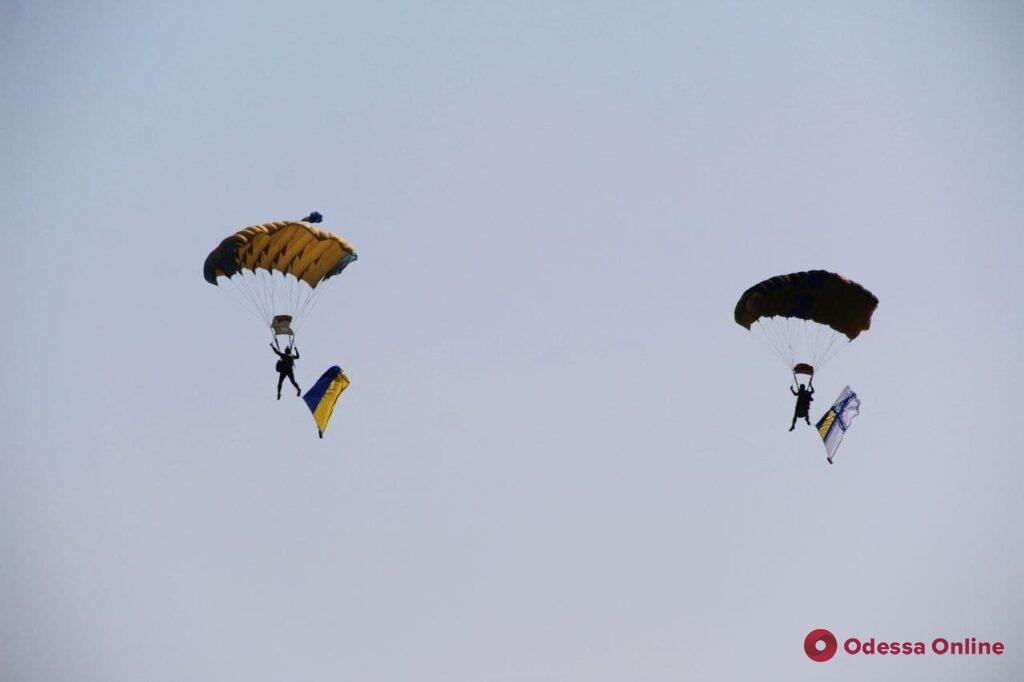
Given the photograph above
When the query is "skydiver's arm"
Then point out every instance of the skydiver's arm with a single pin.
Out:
(296, 353)
(276, 351)
(792, 391)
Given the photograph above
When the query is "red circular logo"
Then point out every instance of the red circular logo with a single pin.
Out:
(822, 637)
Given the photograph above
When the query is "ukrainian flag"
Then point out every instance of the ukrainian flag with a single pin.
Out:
(324, 394)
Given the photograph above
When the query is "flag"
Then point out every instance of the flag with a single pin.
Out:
(324, 394)
(834, 423)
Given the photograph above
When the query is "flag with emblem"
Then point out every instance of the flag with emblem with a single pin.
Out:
(833, 425)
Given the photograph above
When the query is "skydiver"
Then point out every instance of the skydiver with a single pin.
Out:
(285, 367)
(803, 403)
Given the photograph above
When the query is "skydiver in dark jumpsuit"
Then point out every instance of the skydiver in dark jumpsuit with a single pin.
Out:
(285, 367)
(803, 404)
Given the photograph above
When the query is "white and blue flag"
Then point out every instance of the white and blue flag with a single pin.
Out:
(833, 425)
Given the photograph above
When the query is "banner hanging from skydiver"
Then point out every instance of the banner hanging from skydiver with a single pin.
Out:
(834, 423)
(324, 394)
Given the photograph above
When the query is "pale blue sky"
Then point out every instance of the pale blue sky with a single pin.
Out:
(559, 459)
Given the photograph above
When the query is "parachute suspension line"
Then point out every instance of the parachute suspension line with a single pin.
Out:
(794, 341)
(244, 300)
(819, 351)
(292, 290)
(833, 348)
(280, 293)
(816, 335)
(264, 277)
(245, 286)
(238, 293)
(785, 332)
(761, 334)
(772, 340)
(798, 336)
(273, 293)
(267, 294)
(793, 333)
(253, 294)
(765, 340)
(250, 280)
(266, 280)
(818, 346)
(809, 334)
(765, 337)
(299, 294)
(815, 343)
(826, 338)
(790, 341)
(288, 289)
(254, 291)
(276, 293)
(783, 341)
(310, 301)
(306, 306)
(782, 332)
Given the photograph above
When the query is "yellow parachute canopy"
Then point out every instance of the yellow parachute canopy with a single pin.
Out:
(278, 269)
(289, 247)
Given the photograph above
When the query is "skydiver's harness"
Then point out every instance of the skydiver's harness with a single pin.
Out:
(803, 409)
(286, 363)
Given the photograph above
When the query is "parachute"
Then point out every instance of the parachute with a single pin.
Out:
(278, 270)
(806, 318)
(325, 392)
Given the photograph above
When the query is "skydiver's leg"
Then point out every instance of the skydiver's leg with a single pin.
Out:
(807, 419)
(280, 380)
(291, 377)
(793, 425)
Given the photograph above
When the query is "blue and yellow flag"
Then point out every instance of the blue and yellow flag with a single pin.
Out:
(324, 394)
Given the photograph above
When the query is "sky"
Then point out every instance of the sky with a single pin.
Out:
(559, 458)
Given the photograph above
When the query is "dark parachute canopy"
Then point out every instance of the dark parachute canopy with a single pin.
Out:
(805, 318)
